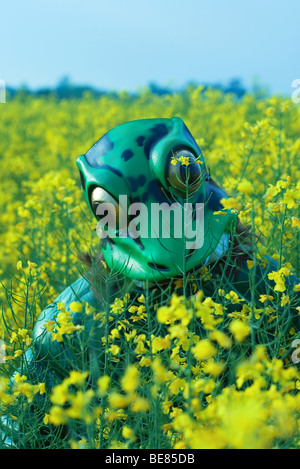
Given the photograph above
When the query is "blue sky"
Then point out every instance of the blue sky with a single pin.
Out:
(125, 44)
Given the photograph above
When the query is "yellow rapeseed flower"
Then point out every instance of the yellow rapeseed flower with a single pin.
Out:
(204, 350)
(130, 380)
(239, 329)
(76, 307)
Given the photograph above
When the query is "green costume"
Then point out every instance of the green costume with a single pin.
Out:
(151, 161)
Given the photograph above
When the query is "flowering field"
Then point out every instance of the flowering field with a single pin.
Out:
(201, 370)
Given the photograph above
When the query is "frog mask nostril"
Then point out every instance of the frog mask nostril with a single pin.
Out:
(160, 267)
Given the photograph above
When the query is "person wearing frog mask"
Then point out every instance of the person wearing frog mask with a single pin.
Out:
(146, 162)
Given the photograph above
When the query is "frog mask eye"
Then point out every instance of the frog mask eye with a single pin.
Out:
(183, 172)
(105, 206)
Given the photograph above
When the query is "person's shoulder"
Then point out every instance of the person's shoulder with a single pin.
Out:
(79, 291)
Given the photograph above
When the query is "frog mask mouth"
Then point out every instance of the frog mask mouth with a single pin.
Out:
(151, 163)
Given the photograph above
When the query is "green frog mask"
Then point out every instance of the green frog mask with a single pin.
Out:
(147, 164)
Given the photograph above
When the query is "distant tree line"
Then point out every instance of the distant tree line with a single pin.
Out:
(65, 89)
